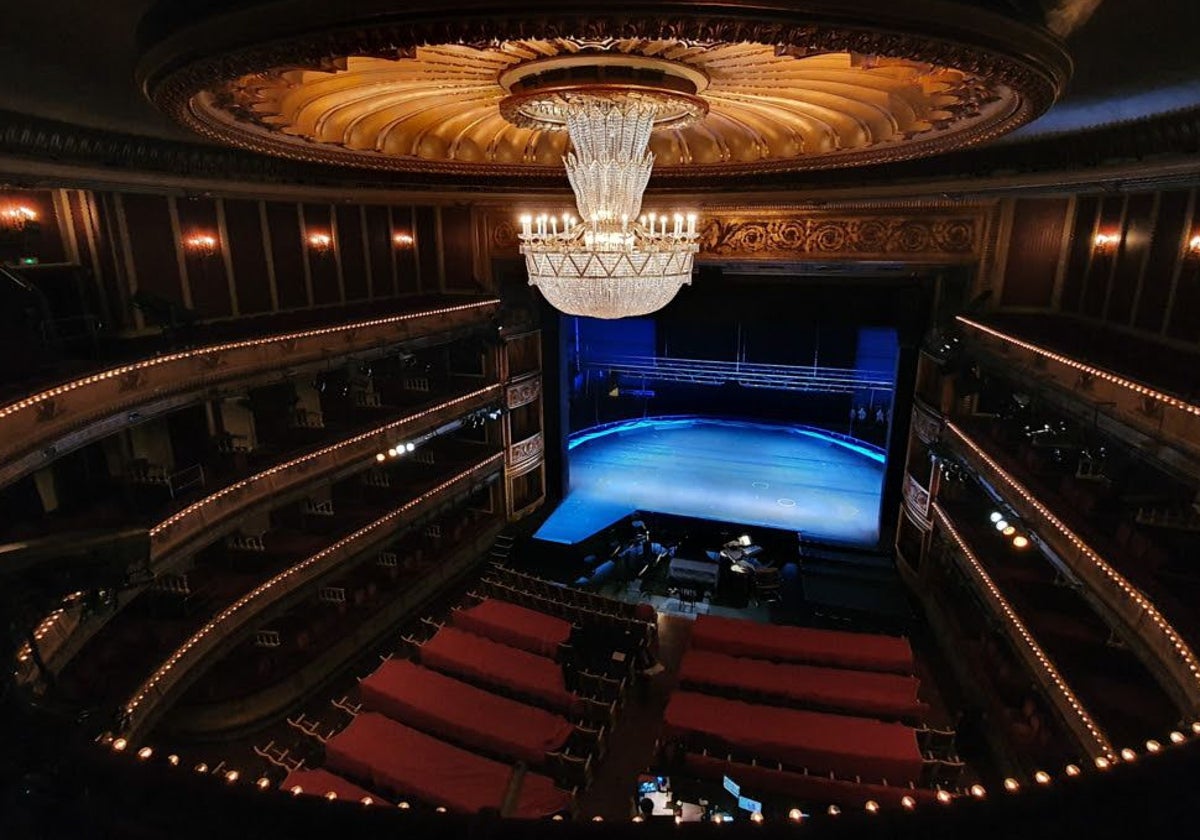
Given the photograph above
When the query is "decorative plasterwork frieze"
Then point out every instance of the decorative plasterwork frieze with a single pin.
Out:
(523, 392)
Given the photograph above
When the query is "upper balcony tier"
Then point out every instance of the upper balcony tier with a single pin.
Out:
(41, 425)
(1121, 376)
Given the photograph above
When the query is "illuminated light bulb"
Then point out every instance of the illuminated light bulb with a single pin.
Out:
(996, 516)
(1009, 531)
(944, 797)
(393, 452)
(795, 815)
(1001, 524)
(833, 810)
(678, 819)
(1072, 770)
(403, 806)
(1128, 755)
(201, 767)
(639, 818)
(381, 457)
(173, 760)
(296, 790)
(1020, 541)
(1177, 737)
(232, 776)
(1012, 785)
(872, 806)
(331, 795)
(1041, 777)
(978, 791)
(441, 809)
(263, 783)
(907, 802)
(145, 752)
(410, 447)
(756, 817)
(366, 800)
(597, 818)
(120, 744)
(1196, 728)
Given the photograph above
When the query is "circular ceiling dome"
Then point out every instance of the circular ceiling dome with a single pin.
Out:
(469, 95)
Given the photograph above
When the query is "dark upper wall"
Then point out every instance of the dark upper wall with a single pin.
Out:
(1148, 282)
(262, 261)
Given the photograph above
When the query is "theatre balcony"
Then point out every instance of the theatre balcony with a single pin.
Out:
(147, 650)
(1101, 511)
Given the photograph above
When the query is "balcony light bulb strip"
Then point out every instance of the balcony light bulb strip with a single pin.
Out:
(1167, 399)
(50, 393)
(1064, 690)
(1149, 611)
(262, 589)
(193, 509)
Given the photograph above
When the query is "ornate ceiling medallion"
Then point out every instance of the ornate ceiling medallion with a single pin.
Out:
(738, 107)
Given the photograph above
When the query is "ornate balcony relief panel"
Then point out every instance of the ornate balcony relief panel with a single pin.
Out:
(1171, 422)
(1131, 612)
(173, 676)
(524, 452)
(523, 391)
(926, 424)
(30, 427)
(916, 503)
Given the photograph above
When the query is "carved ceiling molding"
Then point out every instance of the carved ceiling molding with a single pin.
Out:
(1145, 154)
(986, 45)
(920, 235)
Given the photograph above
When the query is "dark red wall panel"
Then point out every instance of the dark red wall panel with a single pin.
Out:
(206, 272)
(427, 246)
(1080, 253)
(1135, 243)
(379, 252)
(323, 264)
(288, 251)
(352, 252)
(456, 242)
(1099, 277)
(248, 254)
(407, 279)
(152, 244)
(1033, 251)
(1165, 249)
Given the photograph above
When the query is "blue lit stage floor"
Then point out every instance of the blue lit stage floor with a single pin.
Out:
(748, 473)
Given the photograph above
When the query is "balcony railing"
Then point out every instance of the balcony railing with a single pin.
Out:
(30, 425)
(1069, 707)
(1157, 638)
(172, 676)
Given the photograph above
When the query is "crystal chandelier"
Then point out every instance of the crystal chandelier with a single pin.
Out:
(613, 261)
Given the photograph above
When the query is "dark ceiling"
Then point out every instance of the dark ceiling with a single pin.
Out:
(73, 60)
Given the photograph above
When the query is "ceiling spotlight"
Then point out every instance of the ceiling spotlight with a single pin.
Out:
(1001, 524)
(1009, 531)
(996, 516)
(381, 457)
(393, 452)
(409, 447)
(1020, 541)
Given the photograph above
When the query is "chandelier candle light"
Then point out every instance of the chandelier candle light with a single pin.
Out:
(613, 261)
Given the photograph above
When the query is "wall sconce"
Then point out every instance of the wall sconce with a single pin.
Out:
(201, 244)
(402, 240)
(18, 217)
(320, 242)
(1105, 243)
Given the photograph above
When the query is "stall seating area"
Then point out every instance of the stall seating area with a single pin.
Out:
(405, 762)
(861, 651)
(843, 690)
(417, 696)
(848, 730)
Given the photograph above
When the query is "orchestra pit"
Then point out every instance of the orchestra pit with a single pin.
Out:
(546, 420)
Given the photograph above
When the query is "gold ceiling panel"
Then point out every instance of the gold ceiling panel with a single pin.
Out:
(766, 108)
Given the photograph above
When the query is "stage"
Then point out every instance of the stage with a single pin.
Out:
(775, 476)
